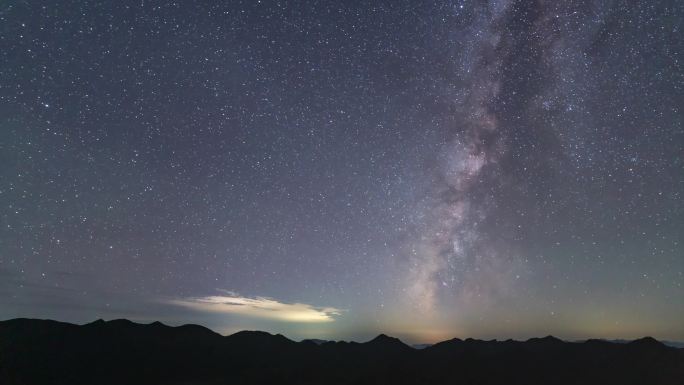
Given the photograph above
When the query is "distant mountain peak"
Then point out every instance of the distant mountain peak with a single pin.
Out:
(255, 335)
(647, 341)
(250, 332)
(383, 336)
(385, 340)
(122, 322)
(548, 339)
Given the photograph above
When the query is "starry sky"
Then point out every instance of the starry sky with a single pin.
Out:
(336, 169)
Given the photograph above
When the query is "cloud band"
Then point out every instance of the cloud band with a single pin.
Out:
(260, 307)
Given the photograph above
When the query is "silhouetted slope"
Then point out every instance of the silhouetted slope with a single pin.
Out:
(120, 351)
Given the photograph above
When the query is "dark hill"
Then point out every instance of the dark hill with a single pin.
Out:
(124, 352)
(387, 344)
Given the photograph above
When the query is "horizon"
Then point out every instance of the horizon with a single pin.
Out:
(362, 340)
(337, 170)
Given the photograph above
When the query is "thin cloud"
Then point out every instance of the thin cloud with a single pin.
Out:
(261, 307)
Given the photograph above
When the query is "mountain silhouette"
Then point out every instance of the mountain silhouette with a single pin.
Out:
(123, 352)
(387, 344)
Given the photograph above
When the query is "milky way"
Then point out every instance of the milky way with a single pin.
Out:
(511, 64)
(431, 170)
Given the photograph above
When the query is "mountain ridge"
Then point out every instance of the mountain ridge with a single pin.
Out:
(121, 351)
(379, 337)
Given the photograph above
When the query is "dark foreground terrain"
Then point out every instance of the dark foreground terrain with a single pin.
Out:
(123, 352)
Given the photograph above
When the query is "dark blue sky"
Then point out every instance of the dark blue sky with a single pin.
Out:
(336, 169)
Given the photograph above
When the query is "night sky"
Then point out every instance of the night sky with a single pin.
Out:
(429, 170)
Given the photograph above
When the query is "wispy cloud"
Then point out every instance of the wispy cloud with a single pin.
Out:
(262, 307)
